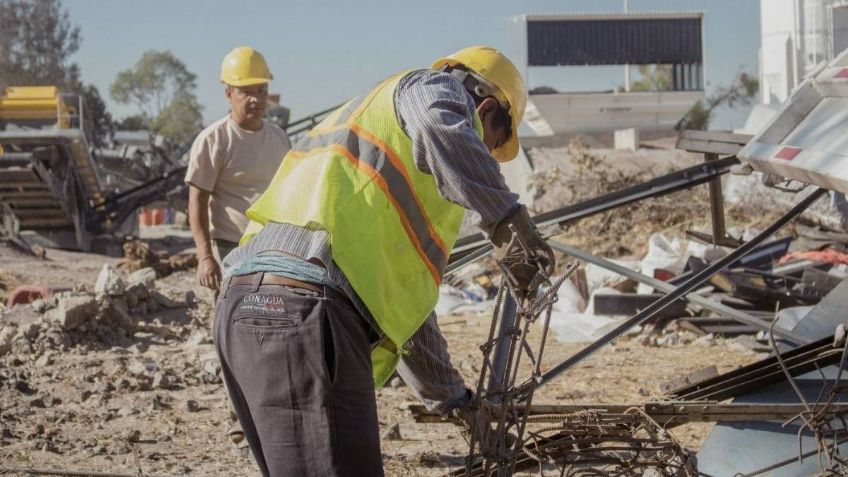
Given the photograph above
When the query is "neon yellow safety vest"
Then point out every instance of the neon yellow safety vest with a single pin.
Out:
(391, 231)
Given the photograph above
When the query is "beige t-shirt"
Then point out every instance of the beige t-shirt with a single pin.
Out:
(235, 166)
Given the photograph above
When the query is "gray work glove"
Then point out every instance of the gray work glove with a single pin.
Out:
(477, 421)
(541, 254)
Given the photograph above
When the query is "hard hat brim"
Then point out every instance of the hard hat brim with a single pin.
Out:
(509, 150)
(247, 82)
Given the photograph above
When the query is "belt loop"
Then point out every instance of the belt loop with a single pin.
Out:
(226, 287)
(257, 280)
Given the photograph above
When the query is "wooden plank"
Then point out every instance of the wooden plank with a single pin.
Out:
(20, 186)
(665, 413)
(712, 147)
(691, 378)
(27, 194)
(716, 136)
(15, 176)
(36, 213)
(631, 303)
(818, 283)
(728, 329)
(33, 203)
(45, 223)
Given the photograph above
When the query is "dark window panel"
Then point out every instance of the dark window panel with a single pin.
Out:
(613, 42)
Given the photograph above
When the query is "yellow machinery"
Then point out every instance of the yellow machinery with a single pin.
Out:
(49, 181)
(35, 105)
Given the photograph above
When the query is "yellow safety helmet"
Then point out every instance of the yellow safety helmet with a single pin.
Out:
(495, 67)
(245, 66)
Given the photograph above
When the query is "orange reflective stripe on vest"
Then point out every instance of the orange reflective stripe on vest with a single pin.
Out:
(372, 157)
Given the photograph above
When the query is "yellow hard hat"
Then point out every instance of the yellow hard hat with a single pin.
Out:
(495, 67)
(245, 66)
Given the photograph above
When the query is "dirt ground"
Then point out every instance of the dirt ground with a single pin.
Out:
(90, 406)
(133, 386)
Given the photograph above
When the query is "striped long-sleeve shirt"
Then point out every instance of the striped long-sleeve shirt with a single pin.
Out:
(437, 113)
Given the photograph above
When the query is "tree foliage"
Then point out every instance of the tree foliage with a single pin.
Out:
(133, 122)
(95, 112)
(162, 88)
(180, 120)
(740, 92)
(155, 80)
(653, 78)
(37, 41)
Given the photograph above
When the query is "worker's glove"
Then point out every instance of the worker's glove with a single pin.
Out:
(523, 273)
(209, 273)
(478, 417)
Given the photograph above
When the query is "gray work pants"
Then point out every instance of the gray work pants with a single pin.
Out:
(298, 370)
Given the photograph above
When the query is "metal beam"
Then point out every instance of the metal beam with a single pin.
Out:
(697, 280)
(664, 287)
(712, 142)
(800, 360)
(500, 355)
(667, 414)
(667, 184)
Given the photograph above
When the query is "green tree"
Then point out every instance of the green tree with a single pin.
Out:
(37, 41)
(133, 122)
(653, 78)
(740, 92)
(180, 120)
(162, 88)
(98, 118)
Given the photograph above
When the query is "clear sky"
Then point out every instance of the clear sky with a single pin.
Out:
(321, 52)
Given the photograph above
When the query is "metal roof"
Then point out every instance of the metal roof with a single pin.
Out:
(535, 17)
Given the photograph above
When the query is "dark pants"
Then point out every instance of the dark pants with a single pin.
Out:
(297, 368)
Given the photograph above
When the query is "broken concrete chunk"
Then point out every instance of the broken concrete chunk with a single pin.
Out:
(191, 405)
(139, 291)
(392, 433)
(7, 335)
(145, 276)
(39, 305)
(133, 435)
(109, 282)
(198, 338)
(73, 311)
(166, 302)
(161, 381)
(46, 359)
(142, 367)
(33, 401)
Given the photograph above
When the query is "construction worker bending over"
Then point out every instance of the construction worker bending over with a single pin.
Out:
(337, 276)
(230, 165)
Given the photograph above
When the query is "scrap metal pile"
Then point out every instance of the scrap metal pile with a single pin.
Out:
(797, 394)
(585, 442)
(632, 439)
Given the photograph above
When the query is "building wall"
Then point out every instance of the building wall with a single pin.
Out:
(797, 35)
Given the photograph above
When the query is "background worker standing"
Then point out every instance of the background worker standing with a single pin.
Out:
(230, 164)
(337, 276)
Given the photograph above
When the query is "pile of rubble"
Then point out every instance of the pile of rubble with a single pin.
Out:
(117, 313)
(138, 256)
(97, 370)
(576, 173)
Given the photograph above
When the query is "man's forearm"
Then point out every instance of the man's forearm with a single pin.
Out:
(198, 217)
(426, 368)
